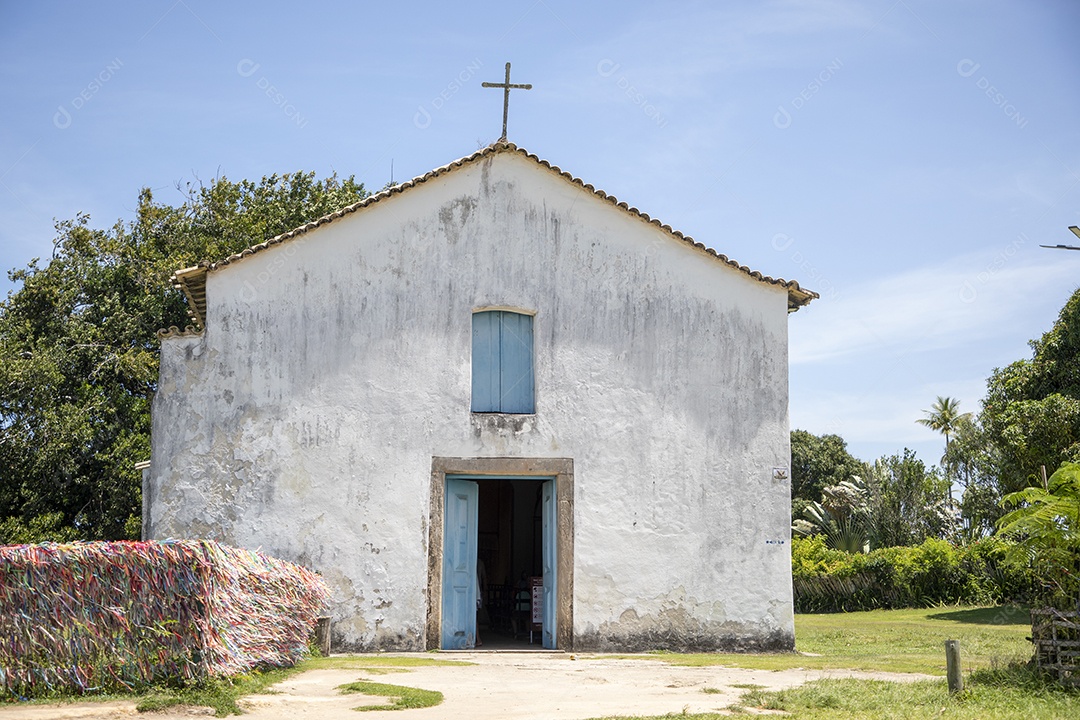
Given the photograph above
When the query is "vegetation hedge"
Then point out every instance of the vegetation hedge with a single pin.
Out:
(106, 616)
(933, 573)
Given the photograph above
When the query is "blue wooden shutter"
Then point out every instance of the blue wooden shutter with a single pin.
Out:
(516, 367)
(485, 362)
(502, 362)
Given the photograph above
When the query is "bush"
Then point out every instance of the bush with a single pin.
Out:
(932, 573)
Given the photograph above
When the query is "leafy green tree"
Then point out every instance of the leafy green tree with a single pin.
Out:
(969, 462)
(1045, 525)
(78, 349)
(1032, 434)
(907, 502)
(1031, 413)
(817, 462)
(1055, 367)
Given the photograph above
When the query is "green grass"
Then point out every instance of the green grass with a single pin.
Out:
(887, 640)
(223, 694)
(1012, 694)
(401, 697)
(220, 694)
(996, 686)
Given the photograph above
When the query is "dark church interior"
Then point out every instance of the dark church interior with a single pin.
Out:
(509, 561)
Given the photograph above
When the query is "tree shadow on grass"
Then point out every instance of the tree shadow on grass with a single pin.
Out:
(1003, 615)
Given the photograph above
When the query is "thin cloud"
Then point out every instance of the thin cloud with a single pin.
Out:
(953, 304)
(875, 413)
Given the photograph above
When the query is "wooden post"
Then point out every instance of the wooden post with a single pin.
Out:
(952, 662)
(322, 635)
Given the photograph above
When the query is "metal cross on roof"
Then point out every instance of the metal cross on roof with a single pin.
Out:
(507, 87)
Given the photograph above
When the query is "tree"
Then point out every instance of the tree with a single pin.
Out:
(1045, 525)
(944, 416)
(78, 349)
(1031, 434)
(969, 461)
(817, 462)
(1055, 367)
(899, 501)
(906, 503)
(1031, 413)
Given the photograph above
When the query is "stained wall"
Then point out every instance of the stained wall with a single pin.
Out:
(335, 366)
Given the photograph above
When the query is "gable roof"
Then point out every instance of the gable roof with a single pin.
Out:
(192, 281)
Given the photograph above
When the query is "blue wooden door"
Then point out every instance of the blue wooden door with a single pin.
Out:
(548, 557)
(459, 565)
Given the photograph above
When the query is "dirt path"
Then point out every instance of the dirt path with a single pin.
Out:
(548, 686)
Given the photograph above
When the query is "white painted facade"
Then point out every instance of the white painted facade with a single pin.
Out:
(335, 366)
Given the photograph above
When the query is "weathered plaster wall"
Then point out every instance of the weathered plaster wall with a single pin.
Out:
(335, 366)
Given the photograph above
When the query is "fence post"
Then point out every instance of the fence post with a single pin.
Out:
(322, 635)
(952, 663)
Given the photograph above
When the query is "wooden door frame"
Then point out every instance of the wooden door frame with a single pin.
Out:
(562, 469)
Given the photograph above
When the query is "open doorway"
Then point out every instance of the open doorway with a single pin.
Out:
(510, 562)
(499, 563)
(519, 529)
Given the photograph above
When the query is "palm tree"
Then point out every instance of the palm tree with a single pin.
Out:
(945, 417)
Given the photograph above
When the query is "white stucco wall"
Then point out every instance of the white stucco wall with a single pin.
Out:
(335, 366)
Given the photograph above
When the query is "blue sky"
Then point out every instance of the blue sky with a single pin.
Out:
(904, 158)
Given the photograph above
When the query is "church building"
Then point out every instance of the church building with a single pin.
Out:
(493, 385)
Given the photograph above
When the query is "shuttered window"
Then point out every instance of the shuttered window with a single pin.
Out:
(502, 362)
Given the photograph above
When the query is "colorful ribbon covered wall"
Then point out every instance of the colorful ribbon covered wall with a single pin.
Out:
(112, 615)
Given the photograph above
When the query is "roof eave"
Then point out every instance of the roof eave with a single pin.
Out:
(799, 297)
(192, 282)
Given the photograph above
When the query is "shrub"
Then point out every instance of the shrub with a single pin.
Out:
(932, 573)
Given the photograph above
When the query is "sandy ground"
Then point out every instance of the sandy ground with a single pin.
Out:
(540, 686)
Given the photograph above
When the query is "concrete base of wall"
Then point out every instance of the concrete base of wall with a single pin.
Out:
(675, 640)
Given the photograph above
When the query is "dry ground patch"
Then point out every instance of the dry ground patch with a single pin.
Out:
(842, 657)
